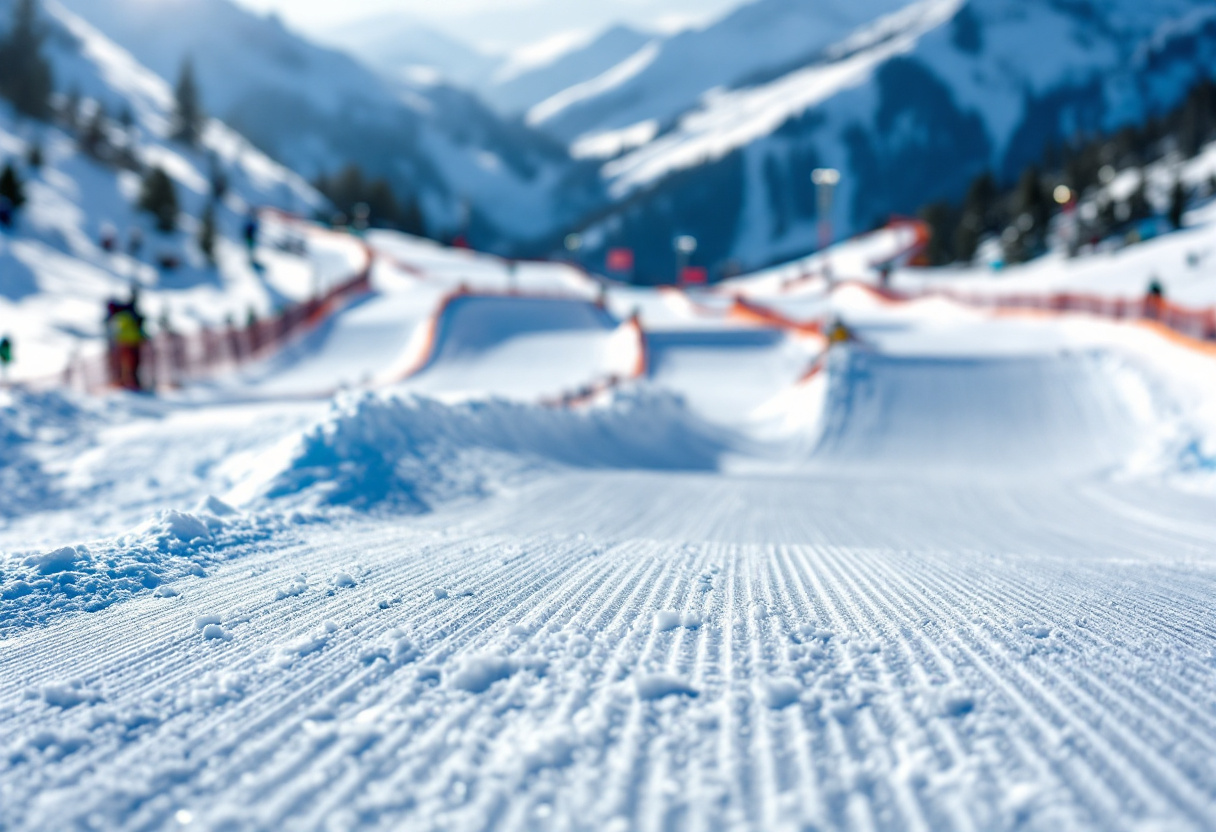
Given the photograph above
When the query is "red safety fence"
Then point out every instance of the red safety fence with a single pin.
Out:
(170, 359)
(752, 312)
(1195, 324)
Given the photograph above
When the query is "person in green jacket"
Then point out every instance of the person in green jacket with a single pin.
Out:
(6, 356)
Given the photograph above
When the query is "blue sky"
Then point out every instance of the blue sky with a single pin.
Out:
(501, 25)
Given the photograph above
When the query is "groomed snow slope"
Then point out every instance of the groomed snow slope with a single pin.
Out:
(1027, 417)
(957, 590)
(525, 347)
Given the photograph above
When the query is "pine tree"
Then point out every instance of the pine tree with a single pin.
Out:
(382, 205)
(1177, 205)
(982, 200)
(1198, 118)
(11, 187)
(979, 216)
(1138, 206)
(207, 233)
(412, 219)
(34, 155)
(188, 116)
(94, 137)
(1032, 212)
(27, 80)
(158, 197)
(219, 178)
(70, 113)
(967, 238)
(943, 225)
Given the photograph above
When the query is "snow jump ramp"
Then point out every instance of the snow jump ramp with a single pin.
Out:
(523, 346)
(1003, 416)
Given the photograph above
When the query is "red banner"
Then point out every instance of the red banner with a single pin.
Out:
(620, 260)
(694, 276)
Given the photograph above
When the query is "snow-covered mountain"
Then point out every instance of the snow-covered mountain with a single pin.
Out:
(315, 109)
(55, 272)
(520, 85)
(909, 106)
(401, 46)
(669, 76)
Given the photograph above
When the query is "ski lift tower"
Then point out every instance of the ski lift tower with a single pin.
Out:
(826, 180)
(686, 247)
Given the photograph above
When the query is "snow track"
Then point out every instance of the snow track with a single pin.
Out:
(741, 654)
(943, 603)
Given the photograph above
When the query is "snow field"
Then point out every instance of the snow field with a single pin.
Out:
(940, 579)
(461, 672)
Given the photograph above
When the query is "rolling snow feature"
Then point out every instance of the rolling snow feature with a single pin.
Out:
(1022, 416)
(521, 347)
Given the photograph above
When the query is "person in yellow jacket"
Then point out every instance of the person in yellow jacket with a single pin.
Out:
(125, 325)
(840, 333)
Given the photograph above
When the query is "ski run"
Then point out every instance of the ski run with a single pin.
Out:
(478, 552)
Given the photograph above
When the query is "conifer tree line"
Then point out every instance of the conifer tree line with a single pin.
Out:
(27, 81)
(12, 189)
(1020, 212)
(350, 188)
(25, 74)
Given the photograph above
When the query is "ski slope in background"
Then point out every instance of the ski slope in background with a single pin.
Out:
(956, 574)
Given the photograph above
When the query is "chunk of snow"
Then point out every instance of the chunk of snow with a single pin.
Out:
(781, 691)
(298, 586)
(214, 632)
(811, 632)
(653, 686)
(52, 563)
(953, 701)
(184, 527)
(478, 673)
(396, 649)
(67, 695)
(666, 620)
(342, 580)
(205, 620)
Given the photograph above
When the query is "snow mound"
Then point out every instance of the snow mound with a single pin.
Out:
(37, 586)
(410, 453)
(654, 686)
(478, 673)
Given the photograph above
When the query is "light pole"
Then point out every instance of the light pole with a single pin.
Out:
(685, 247)
(574, 244)
(826, 180)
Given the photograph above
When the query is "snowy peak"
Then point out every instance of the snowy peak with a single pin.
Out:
(519, 86)
(760, 37)
(728, 119)
(317, 109)
(910, 106)
(406, 49)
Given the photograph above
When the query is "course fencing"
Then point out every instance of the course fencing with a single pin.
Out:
(170, 359)
(1195, 324)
